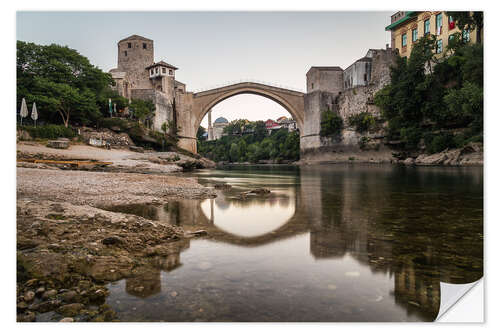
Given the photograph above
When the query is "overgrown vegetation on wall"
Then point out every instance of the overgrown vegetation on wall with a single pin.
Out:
(436, 102)
(250, 142)
(331, 123)
(362, 122)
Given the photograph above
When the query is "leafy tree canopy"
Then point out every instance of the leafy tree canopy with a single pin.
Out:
(420, 103)
(142, 109)
(251, 144)
(63, 83)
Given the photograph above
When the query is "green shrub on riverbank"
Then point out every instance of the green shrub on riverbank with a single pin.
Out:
(50, 131)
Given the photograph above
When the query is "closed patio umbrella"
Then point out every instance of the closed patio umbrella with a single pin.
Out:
(24, 111)
(34, 113)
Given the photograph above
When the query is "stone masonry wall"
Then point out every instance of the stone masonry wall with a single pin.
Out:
(349, 145)
(357, 100)
(314, 103)
(163, 111)
(136, 61)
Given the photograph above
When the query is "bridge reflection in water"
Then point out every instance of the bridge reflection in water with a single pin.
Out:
(380, 222)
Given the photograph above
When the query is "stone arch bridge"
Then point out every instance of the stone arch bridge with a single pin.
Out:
(194, 106)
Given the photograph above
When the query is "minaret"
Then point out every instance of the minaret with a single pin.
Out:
(210, 128)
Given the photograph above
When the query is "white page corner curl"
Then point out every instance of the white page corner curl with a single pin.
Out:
(451, 294)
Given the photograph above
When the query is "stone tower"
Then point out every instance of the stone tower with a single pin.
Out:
(135, 53)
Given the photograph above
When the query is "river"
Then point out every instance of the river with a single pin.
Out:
(329, 243)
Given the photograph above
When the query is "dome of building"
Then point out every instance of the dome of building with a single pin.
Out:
(221, 120)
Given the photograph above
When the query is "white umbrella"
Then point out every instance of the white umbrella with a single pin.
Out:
(24, 110)
(34, 113)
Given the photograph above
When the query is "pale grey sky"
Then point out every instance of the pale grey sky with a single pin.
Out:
(211, 48)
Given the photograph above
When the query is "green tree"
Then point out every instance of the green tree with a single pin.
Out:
(419, 103)
(236, 127)
(103, 100)
(64, 100)
(142, 108)
(259, 130)
(62, 82)
(234, 153)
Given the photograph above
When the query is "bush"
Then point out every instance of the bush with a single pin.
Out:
(363, 121)
(331, 123)
(114, 123)
(410, 137)
(439, 142)
(362, 142)
(50, 131)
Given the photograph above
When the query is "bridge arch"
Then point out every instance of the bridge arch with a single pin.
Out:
(204, 101)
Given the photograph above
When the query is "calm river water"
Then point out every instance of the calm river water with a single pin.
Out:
(330, 243)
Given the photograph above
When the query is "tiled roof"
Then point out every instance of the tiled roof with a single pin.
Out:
(161, 63)
(136, 37)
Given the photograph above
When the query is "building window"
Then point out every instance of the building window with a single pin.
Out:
(129, 45)
(403, 40)
(170, 72)
(427, 27)
(439, 46)
(312, 85)
(164, 70)
(152, 72)
(439, 23)
(125, 53)
(144, 46)
(156, 70)
(414, 35)
(466, 35)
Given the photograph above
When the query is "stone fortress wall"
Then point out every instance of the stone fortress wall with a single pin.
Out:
(355, 95)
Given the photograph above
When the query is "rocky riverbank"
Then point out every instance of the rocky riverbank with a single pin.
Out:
(67, 253)
(69, 247)
(122, 160)
(470, 155)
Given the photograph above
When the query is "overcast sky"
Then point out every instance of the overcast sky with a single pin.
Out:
(211, 48)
